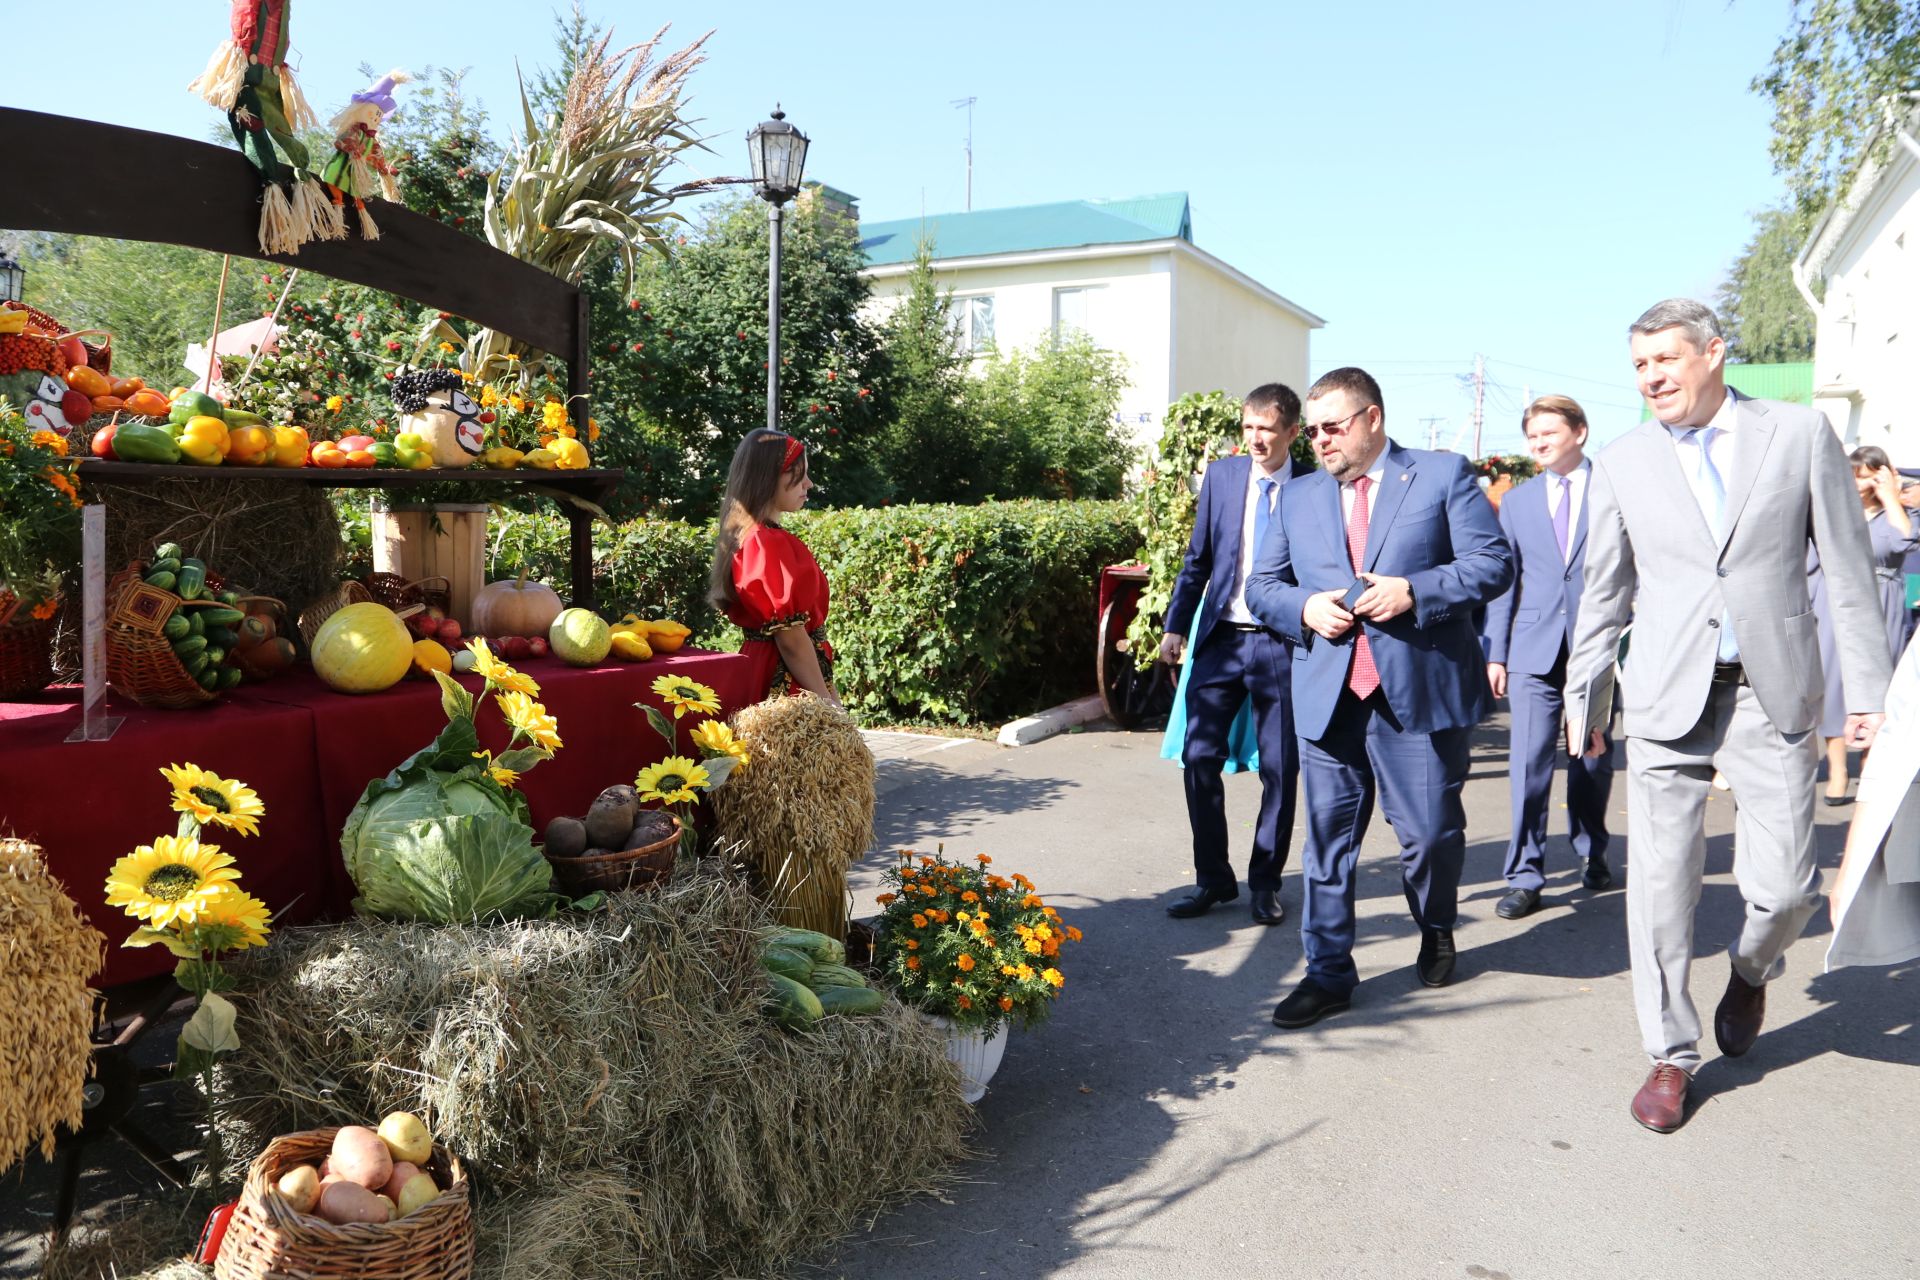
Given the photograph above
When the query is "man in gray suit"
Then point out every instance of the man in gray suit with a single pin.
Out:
(1697, 526)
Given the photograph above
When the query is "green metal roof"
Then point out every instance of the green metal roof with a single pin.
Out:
(1790, 382)
(1068, 224)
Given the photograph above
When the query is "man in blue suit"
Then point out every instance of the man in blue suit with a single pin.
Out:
(1236, 660)
(1529, 629)
(1387, 686)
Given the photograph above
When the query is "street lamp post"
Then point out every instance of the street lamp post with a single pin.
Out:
(13, 279)
(778, 154)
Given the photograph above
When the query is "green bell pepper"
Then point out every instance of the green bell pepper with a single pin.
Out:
(133, 442)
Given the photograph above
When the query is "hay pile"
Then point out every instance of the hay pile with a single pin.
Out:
(802, 812)
(611, 1080)
(47, 954)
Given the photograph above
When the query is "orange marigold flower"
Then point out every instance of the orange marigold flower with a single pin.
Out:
(1033, 946)
(45, 609)
(1055, 977)
(913, 944)
(1050, 947)
(925, 861)
(913, 962)
(1031, 900)
(985, 861)
(966, 962)
(1022, 881)
(919, 921)
(908, 873)
(1073, 934)
(1006, 1003)
(887, 899)
(969, 896)
(964, 1002)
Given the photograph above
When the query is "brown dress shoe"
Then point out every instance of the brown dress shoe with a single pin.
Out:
(1661, 1104)
(1736, 1023)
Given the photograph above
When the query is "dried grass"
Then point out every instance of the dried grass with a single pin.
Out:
(803, 810)
(615, 1069)
(47, 954)
(149, 1239)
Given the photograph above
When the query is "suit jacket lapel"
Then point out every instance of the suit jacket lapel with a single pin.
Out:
(1231, 512)
(1750, 451)
(1335, 522)
(1394, 483)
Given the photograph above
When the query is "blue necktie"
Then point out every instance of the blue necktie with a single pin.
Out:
(1716, 493)
(1563, 515)
(1263, 514)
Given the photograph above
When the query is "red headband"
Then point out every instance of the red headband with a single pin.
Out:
(794, 450)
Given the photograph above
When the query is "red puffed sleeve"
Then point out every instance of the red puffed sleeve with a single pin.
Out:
(771, 573)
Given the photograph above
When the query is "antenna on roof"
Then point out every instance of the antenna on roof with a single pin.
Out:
(968, 104)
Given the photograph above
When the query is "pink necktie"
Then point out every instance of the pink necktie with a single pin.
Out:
(1363, 679)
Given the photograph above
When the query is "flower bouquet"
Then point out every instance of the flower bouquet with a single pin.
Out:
(677, 782)
(961, 942)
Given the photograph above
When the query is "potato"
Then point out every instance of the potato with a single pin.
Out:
(393, 1210)
(406, 1138)
(300, 1186)
(610, 820)
(566, 838)
(360, 1156)
(419, 1189)
(344, 1202)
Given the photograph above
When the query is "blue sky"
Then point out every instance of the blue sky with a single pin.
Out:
(1516, 180)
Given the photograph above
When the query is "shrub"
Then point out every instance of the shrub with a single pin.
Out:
(652, 567)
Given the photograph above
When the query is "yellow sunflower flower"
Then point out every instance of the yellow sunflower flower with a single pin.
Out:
(674, 780)
(233, 920)
(499, 674)
(505, 777)
(214, 800)
(685, 695)
(716, 739)
(172, 879)
(530, 719)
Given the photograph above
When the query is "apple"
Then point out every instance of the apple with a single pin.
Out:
(102, 444)
(538, 647)
(449, 631)
(74, 350)
(516, 648)
(429, 628)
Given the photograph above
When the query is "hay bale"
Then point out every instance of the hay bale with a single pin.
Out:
(803, 810)
(629, 1045)
(47, 954)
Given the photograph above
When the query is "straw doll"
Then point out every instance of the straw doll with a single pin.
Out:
(358, 163)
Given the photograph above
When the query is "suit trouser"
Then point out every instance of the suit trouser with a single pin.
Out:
(1536, 704)
(1230, 667)
(1772, 776)
(1418, 777)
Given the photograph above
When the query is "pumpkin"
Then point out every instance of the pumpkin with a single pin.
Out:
(515, 607)
(362, 648)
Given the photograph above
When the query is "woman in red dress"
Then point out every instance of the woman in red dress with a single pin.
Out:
(764, 578)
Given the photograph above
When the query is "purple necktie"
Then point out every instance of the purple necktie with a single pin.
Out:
(1560, 514)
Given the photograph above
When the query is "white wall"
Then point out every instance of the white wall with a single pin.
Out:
(1228, 337)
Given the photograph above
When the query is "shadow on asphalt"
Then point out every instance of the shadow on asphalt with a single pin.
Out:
(965, 800)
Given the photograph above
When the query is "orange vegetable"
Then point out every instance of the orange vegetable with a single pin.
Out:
(89, 382)
(290, 446)
(148, 404)
(250, 446)
(109, 404)
(124, 387)
(328, 454)
(360, 458)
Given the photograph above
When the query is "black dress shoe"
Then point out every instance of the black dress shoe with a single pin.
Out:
(1307, 1005)
(1598, 876)
(1267, 908)
(1736, 1023)
(1518, 903)
(1201, 901)
(1435, 964)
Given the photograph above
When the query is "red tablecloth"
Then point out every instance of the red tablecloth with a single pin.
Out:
(308, 752)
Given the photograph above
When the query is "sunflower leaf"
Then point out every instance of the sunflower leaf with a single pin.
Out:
(211, 1028)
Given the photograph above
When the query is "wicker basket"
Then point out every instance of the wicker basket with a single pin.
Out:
(267, 1240)
(644, 868)
(141, 664)
(26, 655)
(395, 592)
(326, 606)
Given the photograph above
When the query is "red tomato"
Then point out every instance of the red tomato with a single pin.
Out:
(103, 441)
(351, 443)
(328, 454)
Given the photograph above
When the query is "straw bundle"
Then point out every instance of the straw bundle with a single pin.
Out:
(803, 810)
(47, 953)
(614, 1070)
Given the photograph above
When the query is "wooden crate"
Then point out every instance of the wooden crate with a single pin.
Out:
(447, 541)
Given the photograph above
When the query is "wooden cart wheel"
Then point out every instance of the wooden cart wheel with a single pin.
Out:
(1130, 695)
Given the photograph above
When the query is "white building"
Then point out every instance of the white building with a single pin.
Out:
(1860, 272)
(1124, 271)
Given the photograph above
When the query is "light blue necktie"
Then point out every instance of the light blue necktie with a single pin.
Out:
(1264, 514)
(1716, 491)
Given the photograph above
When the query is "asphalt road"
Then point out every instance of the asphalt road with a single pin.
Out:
(1160, 1126)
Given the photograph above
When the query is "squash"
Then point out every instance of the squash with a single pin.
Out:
(580, 637)
(430, 656)
(362, 648)
(515, 607)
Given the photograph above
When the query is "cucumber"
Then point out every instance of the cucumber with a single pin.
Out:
(195, 561)
(222, 636)
(170, 564)
(195, 663)
(229, 598)
(215, 654)
(792, 1005)
(195, 623)
(177, 627)
(190, 645)
(209, 678)
(823, 949)
(222, 616)
(162, 579)
(168, 551)
(192, 582)
(229, 677)
(788, 963)
(825, 976)
(852, 1000)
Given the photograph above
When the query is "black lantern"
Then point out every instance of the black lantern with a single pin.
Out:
(13, 277)
(778, 153)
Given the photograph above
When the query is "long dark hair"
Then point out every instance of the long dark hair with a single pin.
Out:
(753, 482)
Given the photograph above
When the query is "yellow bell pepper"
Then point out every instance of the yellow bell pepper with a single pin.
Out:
(204, 441)
(249, 446)
(571, 454)
(542, 459)
(290, 446)
(501, 458)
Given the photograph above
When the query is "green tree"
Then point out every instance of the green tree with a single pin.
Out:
(1048, 421)
(438, 142)
(1829, 79)
(933, 449)
(1763, 315)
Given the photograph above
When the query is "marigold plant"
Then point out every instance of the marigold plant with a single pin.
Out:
(962, 941)
(39, 517)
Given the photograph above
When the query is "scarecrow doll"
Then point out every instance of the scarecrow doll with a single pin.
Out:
(357, 163)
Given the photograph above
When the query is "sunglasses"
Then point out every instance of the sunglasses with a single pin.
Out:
(1335, 428)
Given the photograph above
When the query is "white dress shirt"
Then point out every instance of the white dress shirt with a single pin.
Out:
(1375, 473)
(1576, 491)
(1722, 443)
(1236, 610)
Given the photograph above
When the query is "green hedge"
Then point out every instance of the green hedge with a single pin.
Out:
(943, 613)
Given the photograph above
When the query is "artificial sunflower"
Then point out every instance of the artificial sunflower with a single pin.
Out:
(214, 800)
(172, 879)
(232, 920)
(716, 739)
(499, 674)
(685, 695)
(505, 777)
(675, 780)
(530, 720)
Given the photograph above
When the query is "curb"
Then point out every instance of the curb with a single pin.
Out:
(1028, 730)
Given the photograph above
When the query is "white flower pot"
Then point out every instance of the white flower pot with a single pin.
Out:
(977, 1055)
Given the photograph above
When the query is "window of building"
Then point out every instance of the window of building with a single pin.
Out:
(973, 322)
(1079, 310)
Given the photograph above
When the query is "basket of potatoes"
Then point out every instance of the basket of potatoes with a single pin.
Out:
(352, 1203)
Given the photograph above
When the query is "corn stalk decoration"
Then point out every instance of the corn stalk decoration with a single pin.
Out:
(586, 183)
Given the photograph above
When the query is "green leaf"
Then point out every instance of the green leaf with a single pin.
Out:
(211, 1028)
(172, 941)
(454, 698)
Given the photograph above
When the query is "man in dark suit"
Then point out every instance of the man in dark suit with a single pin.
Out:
(1236, 660)
(1529, 629)
(1387, 687)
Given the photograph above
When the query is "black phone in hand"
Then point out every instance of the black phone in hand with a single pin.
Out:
(1354, 592)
